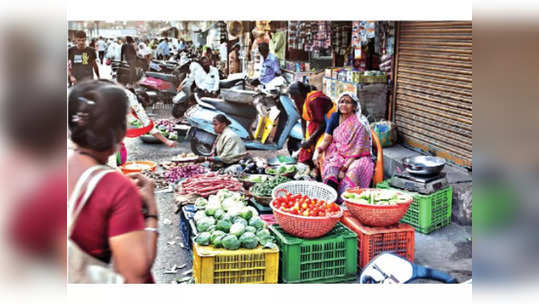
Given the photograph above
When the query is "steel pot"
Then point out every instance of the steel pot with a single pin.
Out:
(423, 165)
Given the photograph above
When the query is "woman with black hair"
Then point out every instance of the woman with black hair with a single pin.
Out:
(228, 147)
(315, 109)
(111, 223)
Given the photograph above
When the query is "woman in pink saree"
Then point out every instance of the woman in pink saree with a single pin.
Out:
(344, 157)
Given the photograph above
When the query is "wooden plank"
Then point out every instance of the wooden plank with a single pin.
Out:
(405, 59)
(437, 56)
(413, 76)
(435, 68)
(438, 87)
(406, 103)
(457, 107)
(435, 43)
(462, 100)
(440, 50)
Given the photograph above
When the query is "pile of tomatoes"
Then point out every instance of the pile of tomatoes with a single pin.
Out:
(303, 205)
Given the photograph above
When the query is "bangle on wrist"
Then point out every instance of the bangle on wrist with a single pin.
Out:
(152, 229)
(146, 216)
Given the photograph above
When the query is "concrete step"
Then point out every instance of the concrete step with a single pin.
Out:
(459, 178)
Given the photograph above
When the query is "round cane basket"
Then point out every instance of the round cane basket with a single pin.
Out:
(379, 216)
(305, 226)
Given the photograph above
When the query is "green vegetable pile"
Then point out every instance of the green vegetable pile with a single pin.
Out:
(377, 197)
(281, 170)
(225, 221)
(265, 188)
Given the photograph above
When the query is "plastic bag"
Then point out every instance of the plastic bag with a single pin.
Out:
(386, 131)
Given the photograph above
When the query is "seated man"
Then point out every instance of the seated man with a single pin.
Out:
(270, 66)
(206, 79)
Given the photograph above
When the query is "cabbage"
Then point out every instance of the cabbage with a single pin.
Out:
(201, 203)
(226, 217)
(231, 242)
(200, 214)
(212, 207)
(219, 214)
(257, 222)
(253, 210)
(234, 211)
(203, 238)
(237, 229)
(250, 229)
(263, 234)
(205, 223)
(246, 213)
(218, 242)
(215, 234)
(248, 240)
(223, 225)
(211, 229)
(241, 220)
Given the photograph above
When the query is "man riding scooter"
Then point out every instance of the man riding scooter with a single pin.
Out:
(206, 78)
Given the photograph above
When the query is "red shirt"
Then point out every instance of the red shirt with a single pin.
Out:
(114, 208)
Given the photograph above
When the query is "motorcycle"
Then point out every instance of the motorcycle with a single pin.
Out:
(238, 107)
(388, 268)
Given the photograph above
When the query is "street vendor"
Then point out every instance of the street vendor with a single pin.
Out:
(270, 65)
(345, 154)
(228, 147)
(315, 109)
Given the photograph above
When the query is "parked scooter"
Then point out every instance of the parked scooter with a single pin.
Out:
(388, 268)
(239, 109)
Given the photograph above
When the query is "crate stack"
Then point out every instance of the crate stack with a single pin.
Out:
(427, 213)
(372, 241)
(331, 258)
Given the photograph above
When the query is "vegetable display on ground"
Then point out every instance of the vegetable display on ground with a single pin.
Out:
(298, 204)
(208, 184)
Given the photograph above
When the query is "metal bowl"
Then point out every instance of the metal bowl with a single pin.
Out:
(423, 165)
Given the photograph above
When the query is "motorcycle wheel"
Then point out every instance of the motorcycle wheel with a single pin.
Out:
(293, 145)
(201, 142)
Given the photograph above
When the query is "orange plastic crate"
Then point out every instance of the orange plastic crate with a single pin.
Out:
(371, 241)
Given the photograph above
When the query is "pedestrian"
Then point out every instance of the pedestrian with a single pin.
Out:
(270, 65)
(129, 54)
(81, 60)
(233, 60)
(119, 220)
(101, 47)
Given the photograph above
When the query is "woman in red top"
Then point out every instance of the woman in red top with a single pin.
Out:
(315, 109)
(111, 224)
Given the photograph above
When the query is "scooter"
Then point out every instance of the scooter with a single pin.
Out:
(242, 114)
(388, 268)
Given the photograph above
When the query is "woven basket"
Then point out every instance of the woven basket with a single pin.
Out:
(373, 215)
(306, 226)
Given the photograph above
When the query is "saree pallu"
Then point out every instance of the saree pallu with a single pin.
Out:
(350, 140)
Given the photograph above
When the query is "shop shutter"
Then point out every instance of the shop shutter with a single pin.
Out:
(433, 88)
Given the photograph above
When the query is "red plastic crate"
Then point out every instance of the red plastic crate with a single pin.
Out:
(371, 241)
(268, 218)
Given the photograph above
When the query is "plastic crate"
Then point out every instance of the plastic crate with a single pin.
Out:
(222, 266)
(427, 213)
(371, 241)
(328, 259)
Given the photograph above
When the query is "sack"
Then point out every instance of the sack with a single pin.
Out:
(82, 267)
(386, 132)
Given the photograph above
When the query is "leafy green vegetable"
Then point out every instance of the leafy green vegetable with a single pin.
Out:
(241, 220)
(205, 223)
(250, 229)
(231, 242)
(216, 234)
(219, 214)
(248, 240)
(237, 229)
(257, 222)
(217, 243)
(201, 203)
(223, 225)
(200, 214)
(246, 213)
(263, 234)
(203, 238)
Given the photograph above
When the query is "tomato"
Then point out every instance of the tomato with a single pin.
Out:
(304, 205)
(294, 211)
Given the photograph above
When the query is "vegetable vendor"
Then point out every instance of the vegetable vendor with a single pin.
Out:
(228, 147)
(345, 155)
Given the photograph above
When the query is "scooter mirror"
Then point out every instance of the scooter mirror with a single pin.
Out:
(387, 268)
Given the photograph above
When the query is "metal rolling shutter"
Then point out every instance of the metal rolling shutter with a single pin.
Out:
(433, 88)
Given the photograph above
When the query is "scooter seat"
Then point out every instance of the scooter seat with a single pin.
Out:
(227, 84)
(242, 110)
(162, 76)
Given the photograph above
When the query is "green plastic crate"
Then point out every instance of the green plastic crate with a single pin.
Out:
(328, 259)
(427, 213)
